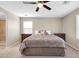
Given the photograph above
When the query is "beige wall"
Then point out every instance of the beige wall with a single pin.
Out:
(53, 24)
(12, 28)
(69, 27)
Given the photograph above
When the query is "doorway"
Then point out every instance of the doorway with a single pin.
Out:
(2, 33)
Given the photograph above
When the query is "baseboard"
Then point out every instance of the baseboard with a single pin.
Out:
(72, 47)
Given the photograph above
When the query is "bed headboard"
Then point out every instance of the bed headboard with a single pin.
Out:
(61, 35)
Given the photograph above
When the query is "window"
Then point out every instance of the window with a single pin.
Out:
(77, 27)
(27, 27)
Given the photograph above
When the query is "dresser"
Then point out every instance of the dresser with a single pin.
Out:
(61, 35)
(23, 36)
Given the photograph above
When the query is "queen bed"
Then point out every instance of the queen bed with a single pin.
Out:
(43, 45)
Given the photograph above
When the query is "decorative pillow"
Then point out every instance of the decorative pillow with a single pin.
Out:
(43, 32)
(38, 32)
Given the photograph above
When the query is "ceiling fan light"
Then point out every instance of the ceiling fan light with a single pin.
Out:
(39, 5)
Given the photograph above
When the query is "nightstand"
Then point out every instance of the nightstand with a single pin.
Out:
(61, 35)
(23, 36)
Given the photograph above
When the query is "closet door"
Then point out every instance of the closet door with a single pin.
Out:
(2, 32)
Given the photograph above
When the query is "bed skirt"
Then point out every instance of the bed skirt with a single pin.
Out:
(44, 51)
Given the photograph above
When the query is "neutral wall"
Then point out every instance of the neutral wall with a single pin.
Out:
(12, 28)
(53, 24)
(69, 27)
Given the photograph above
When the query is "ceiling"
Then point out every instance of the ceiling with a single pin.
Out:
(59, 9)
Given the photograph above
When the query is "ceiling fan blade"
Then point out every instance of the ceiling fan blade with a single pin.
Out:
(43, 1)
(37, 9)
(65, 2)
(46, 1)
(45, 6)
(25, 2)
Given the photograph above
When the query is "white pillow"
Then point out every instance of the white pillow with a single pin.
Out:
(49, 32)
(37, 32)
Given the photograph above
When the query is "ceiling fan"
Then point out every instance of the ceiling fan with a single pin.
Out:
(39, 4)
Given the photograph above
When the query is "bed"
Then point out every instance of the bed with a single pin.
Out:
(43, 45)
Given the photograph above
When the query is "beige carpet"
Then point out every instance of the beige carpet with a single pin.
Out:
(13, 52)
